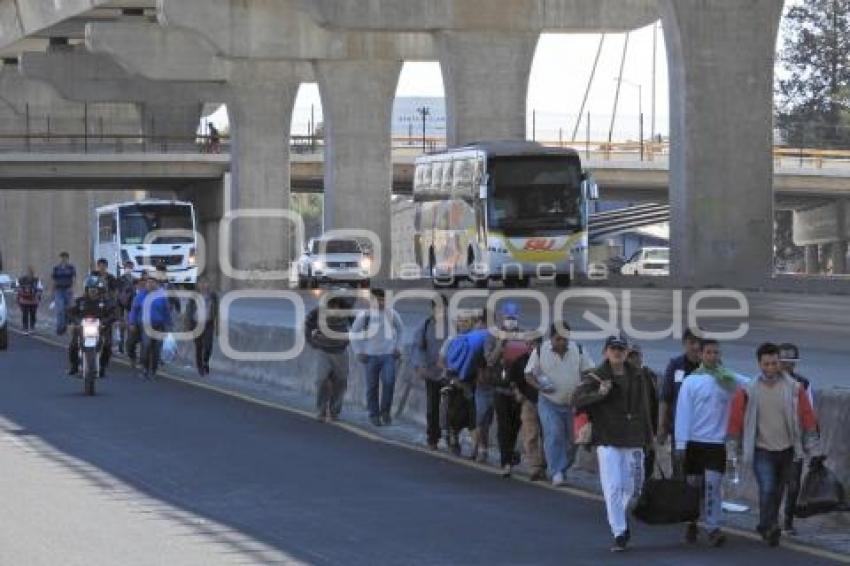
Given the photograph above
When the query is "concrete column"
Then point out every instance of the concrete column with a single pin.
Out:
(175, 120)
(721, 57)
(812, 260)
(260, 111)
(486, 81)
(357, 100)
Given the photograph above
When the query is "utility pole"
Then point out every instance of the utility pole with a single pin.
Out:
(589, 85)
(617, 94)
(654, 71)
(424, 112)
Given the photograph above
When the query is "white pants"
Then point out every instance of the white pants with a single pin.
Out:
(621, 475)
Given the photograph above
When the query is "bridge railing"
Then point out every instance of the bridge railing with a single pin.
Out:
(647, 151)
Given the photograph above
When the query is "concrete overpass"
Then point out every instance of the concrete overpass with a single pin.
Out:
(795, 187)
(257, 53)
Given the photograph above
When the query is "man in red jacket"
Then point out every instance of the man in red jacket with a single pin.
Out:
(772, 424)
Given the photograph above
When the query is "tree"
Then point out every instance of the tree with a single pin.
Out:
(813, 88)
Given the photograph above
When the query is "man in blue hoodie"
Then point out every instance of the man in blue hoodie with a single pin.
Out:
(156, 315)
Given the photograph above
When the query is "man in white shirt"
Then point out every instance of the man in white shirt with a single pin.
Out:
(555, 370)
(702, 416)
(376, 340)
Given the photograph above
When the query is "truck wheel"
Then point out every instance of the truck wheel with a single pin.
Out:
(563, 280)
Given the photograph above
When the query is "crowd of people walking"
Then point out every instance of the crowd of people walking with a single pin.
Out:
(547, 397)
(545, 394)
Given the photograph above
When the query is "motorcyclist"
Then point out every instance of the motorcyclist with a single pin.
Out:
(110, 280)
(95, 303)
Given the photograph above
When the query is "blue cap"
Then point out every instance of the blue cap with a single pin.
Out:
(510, 310)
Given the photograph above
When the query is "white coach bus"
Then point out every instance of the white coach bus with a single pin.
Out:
(509, 210)
(149, 233)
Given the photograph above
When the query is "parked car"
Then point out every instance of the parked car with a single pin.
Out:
(5, 285)
(648, 261)
(334, 260)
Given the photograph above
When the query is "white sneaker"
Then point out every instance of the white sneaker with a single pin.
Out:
(558, 479)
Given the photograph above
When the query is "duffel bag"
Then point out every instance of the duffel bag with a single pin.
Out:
(666, 501)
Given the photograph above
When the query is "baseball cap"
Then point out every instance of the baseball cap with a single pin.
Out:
(789, 352)
(616, 342)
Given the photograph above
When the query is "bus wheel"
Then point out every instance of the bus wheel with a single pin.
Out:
(563, 280)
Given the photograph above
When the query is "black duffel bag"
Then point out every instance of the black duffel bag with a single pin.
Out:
(667, 501)
(820, 493)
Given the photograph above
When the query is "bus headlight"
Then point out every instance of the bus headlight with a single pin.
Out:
(365, 264)
(192, 260)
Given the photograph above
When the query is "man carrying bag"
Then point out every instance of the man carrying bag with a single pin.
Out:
(617, 398)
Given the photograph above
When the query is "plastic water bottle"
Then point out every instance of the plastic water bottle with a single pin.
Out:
(733, 471)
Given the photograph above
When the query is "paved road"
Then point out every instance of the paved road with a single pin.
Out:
(166, 473)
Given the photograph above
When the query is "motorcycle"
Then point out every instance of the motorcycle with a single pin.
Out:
(90, 347)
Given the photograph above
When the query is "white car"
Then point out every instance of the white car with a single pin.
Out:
(5, 285)
(333, 260)
(648, 261)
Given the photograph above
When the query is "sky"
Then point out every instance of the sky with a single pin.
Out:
(559, 77)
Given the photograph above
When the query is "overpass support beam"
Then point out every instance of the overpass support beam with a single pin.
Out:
(357, 102)
(486, 81)
(721, 104)
(260, 106)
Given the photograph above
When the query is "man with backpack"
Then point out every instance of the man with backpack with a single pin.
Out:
(28, 292)
(376, 340)
(555, 369)
(428, 339)
(461, 357)
(501, 352)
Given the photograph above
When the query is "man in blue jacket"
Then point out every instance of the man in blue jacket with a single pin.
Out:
(156, 316)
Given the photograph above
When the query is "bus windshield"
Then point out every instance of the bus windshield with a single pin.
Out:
(535, 194)
(137, 221)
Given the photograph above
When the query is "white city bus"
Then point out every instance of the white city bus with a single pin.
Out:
(150, 233)
(511, 211)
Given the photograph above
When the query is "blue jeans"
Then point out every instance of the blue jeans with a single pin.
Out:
(484, 396)
(380, 370)
(557, 423)
(772, 470)
(63, 299)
